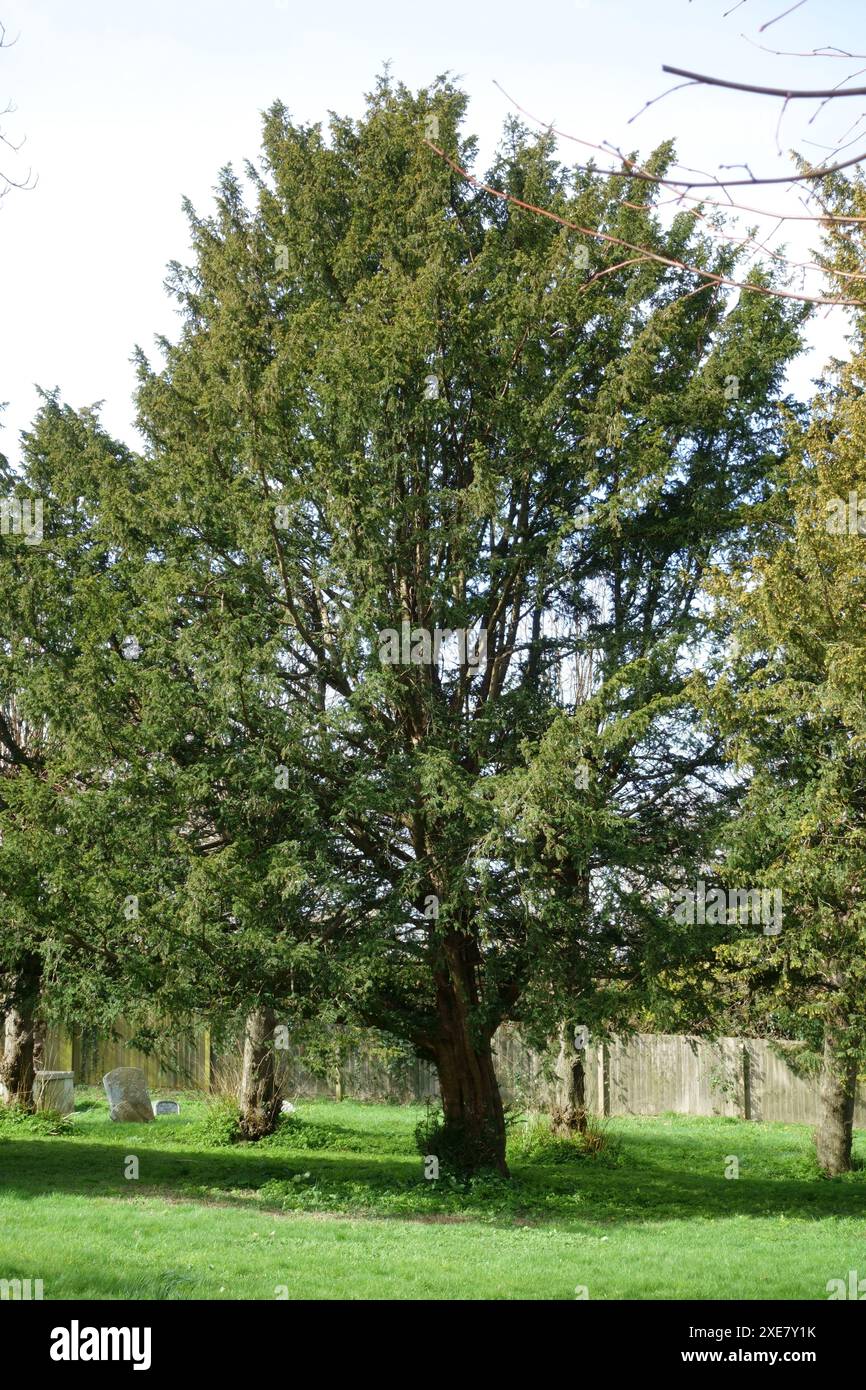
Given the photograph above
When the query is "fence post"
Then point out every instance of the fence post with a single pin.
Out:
(206, 1060)
(603, 1081)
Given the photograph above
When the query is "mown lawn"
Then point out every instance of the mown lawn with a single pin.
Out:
(336, 1206)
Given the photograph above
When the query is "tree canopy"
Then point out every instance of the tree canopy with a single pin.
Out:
(382, 645)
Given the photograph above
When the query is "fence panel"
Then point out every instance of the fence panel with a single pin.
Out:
(646, 1074)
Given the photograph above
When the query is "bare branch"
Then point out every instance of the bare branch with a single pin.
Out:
(790, 94)
(771, 22)
(634, 170)
(829, 52)
(842, 143)
(779, 126)
(6, 181)
(652, 101)
(598, 235)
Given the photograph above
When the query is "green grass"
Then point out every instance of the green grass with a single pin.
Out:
(335, 1206)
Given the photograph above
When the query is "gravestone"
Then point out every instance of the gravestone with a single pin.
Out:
(166, 1107)
(287, 1108)
(126, 1089)
(54, 1090)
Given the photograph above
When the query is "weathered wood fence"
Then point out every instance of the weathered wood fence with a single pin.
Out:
(647, 1074)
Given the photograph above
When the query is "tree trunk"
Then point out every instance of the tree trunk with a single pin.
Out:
(473, 1135)
(568, 1112)
(21, 1038)
(260, 1093)
(836, 1108)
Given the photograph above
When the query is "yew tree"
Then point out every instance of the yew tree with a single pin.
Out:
(791, 712)
(401, 407)
(63, 605)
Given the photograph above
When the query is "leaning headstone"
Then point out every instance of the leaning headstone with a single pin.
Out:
(54, 1090)
(126, 1089)
(166, 1107)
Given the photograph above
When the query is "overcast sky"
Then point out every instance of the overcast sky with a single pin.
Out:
(127, 107)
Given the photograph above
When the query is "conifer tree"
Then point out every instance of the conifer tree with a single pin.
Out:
(399, 408)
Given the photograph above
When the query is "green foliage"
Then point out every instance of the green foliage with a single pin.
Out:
(297, 1133)
(533, 1141)
(280, 804)
(789, 709)
(14, 1119)
(220, 1127)
(486, 1194)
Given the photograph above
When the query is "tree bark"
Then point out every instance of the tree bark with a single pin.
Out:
(568, 1112)
(837, 1095)
(260, 1092)
(473, 1136)
(21, 1037)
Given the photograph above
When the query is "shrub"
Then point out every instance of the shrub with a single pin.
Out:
(533, 1141)
(221, 1125)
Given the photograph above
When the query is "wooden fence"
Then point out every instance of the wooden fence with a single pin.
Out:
(647, 1074)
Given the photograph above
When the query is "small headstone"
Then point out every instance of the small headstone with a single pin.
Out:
(126, 1089)
(287, 1108)
(54, 1090)
(166, 1107)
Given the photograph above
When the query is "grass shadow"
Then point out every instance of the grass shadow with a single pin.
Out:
(660, 1178)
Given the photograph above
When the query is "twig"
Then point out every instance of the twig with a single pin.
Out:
(652, 101)
(829, 52)
(639, 173)
(770, 22)
(598, 235)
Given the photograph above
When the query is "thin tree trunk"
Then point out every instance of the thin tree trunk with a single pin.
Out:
(21, 1041)
(260, 1094)
(473, 1137)
(568, 1112)
(836, 1107)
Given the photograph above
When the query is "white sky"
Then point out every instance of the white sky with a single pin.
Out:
(127, 107)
